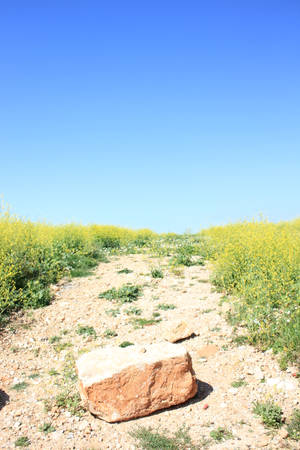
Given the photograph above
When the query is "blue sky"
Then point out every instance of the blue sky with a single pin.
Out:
(171, 115)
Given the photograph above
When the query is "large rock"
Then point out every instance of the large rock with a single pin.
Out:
(124, 383)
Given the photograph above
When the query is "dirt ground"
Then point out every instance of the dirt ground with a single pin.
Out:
(39, 347)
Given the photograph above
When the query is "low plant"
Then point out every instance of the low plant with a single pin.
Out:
(166, 306)
(133, 311)
(238, 383)
(46, 428)
(148, 439)
(113, 312)
(240, 340)
(33, 376)
(22, 441)
(110, 333)
(128, 293)
(221, 434)
(141, 322)
(53, 372)
(54, 339)
(156, 272)
(293, 427)
(86, 331)
(62, 346)
(125, 344)
(70, 402)
(20, 386)
(125, 270)
(270, 413)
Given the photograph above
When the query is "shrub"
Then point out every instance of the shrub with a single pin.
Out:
(156, 272)
(270, 413)
(258, 263)
(293, 427)
(149, 440)
(125, 294)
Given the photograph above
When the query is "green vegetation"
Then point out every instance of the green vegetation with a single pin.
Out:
(54, 339)
(86, 331)
(141, 322)
(110, 333)
(113, 312)
(125, 294)
(46, 428)
(125, 344)
(238, 383)
(62, 346)
(34, 255)
(293, 427)
(258, 264)
(166, 306)
(33, 376)
(20, 386)
(125, 271)
(70, 402)
(270, 413)
(147, 439)
(156, 272)
(22, 441)
(221, 434)
(133, 311)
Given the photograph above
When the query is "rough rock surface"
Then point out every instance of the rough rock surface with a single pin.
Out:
(124, 383)
(177, 331)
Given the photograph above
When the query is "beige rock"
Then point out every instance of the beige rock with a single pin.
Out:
(123, 383)
(283, 434)
(177, 331)
(208, 350)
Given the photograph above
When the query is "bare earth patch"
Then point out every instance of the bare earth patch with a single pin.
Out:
(38, 390)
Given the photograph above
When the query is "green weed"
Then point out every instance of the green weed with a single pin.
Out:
(221, 434)
(166, 306)
(147, 439)
(113, 312)
(22, 441)
(20, 386)
(125, 344)
(125, 294)
(46, 428)
(156, 272)
(70, 402)
(238, 383)
(140, 322)
(293, 427)
(110, 333)
(270, 413)
(125, 270)
(85, 330)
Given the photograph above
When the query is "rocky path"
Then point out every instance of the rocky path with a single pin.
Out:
(38, 390)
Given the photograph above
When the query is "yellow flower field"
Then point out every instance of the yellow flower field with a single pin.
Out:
(259, 264)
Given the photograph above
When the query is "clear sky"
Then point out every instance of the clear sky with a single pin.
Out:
(171, 115)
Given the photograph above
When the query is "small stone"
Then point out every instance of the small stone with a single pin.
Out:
(283, 434)
(83, 425)
(177, 331)
(263, 442)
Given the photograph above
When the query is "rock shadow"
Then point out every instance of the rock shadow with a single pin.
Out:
(192, 336)
(4, 399)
